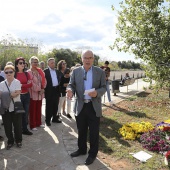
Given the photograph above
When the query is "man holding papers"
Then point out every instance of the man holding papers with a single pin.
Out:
(88, 84)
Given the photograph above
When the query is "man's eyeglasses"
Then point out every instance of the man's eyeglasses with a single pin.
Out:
(85, 76)
(35, 62)
(8, 72)
(21, 63)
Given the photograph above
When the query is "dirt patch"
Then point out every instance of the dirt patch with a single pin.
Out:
(115, 164)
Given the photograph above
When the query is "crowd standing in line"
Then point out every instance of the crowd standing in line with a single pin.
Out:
(88, 108)
(30, 86)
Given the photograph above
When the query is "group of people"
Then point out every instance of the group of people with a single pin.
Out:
(87, 84)
(30, 86)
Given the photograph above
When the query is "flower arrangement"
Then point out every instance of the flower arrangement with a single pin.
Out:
(163, 124)
(131, 131)
(155, 140)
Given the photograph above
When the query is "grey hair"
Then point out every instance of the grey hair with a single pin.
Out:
(87, 51)
(33, 58)
(50, 59)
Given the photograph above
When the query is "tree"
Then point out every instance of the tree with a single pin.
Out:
(144, 30)
(12, 48)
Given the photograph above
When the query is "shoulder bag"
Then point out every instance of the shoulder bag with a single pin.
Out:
(18, 107)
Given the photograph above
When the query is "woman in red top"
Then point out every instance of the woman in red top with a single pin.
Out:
(26, 83)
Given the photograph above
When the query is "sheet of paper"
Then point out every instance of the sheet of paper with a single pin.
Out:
(142, 156)
(87, 91)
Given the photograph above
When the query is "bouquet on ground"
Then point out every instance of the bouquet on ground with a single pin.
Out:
(132, 131)
(155, 140)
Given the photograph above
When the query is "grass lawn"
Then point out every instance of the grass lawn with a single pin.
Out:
(114, 150)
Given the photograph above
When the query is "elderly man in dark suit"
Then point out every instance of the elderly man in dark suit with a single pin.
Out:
(52, 92)
(88, 109)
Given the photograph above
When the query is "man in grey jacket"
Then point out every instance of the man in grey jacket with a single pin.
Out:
(88, 84)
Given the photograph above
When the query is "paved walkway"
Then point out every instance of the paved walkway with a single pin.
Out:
(49, 147)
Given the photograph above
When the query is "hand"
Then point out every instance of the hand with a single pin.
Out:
(65, 84)
(93, 93)
(41, 91)
(69, 94)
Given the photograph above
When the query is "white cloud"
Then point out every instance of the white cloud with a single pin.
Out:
(67, 23)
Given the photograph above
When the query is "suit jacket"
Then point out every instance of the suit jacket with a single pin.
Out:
(48, 89)
(76, 84)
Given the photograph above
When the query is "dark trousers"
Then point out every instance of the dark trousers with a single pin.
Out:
(87, 120)
(10, 120)
(25, 99)
(52, 106)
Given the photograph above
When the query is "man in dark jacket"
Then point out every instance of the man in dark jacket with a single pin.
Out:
(52, 93)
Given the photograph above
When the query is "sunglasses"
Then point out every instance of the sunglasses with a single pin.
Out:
(8, 72)
(20, 63)
(67, 73)
(35, 62)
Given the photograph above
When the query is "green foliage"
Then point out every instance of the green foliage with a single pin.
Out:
(11, 48)
(71, 57)
(144, 30)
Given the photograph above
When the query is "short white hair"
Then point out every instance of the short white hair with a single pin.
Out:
(87, 51)
(33, 58)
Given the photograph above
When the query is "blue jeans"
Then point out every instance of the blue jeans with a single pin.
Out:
(25, 99)
(108, 91)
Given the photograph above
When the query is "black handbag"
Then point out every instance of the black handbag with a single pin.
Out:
(18, 106)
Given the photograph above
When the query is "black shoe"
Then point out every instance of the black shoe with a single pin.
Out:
(27, 132)
(89, 160)
(48, 124)
(69, 116)
(19, 144)
(56, 121)
(77, 153)
(9, 146)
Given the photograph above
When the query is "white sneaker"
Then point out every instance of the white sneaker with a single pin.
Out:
(111, 103)
(34, 129)
(42, 126)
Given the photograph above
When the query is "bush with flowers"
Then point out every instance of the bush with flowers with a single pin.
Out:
(131, 131)
(163, 124)
(155, 140)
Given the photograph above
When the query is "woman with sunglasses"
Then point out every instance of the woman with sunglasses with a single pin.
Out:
(10, 119)
(61, 66)
(26, 83)
(36, 93)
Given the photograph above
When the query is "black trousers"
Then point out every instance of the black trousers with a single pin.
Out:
(52, 105)
(10, 120)
(87, 120)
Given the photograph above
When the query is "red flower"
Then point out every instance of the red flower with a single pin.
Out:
(166, 128)
(167, 155)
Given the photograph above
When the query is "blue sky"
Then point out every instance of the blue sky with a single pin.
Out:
(74, 24)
